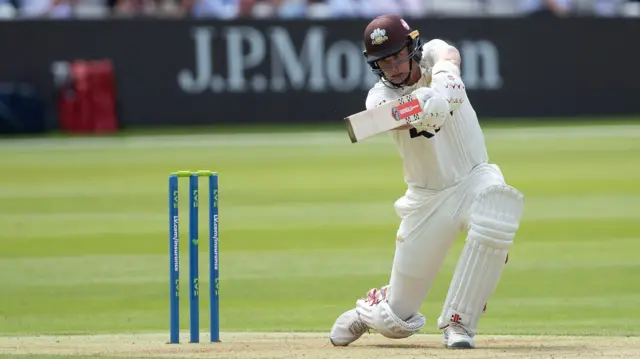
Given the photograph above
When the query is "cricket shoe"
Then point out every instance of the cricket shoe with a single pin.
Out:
(347, 329)
(456, 337)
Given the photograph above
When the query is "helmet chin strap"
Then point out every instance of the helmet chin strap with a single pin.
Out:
(406, 79)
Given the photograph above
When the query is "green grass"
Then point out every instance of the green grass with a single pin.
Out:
(305, 230)
(39, 356)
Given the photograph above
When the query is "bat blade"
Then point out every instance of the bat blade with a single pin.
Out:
(383, 118)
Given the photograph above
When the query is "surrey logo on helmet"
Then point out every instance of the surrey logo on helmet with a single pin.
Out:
(378, 36)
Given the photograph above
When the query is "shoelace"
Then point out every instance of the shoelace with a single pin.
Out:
(375, 296)
(372, 297)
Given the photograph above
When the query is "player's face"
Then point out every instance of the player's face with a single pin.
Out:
(396, 67)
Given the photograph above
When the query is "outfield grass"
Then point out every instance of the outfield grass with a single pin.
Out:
(307, 226)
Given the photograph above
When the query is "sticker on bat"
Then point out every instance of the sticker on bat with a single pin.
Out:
(405, 110)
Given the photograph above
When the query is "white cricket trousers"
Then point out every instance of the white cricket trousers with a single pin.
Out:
(430, 223)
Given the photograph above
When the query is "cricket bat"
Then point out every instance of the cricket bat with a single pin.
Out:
(387, 116)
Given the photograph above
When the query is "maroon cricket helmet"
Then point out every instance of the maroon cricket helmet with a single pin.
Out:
(386, 35)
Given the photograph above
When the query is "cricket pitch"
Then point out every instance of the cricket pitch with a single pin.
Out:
(316, 346)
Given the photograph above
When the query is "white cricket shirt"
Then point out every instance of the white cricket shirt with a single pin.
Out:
(440, 161)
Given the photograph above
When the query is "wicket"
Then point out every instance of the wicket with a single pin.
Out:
(174, 260)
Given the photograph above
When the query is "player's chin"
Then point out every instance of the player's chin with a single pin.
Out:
(397, 80)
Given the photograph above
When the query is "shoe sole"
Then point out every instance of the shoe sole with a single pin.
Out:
(460, 345)
(342, 345)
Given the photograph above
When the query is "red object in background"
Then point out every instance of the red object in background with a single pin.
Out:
(87, 103)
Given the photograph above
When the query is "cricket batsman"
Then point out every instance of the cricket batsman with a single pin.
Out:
(451, 188)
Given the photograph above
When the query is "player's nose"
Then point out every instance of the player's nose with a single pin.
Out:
(393, 70)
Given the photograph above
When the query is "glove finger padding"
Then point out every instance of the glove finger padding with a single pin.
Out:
(434, 113)
(451, 87)
(423, 94)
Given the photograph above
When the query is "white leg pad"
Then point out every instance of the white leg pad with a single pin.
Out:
(377, 314)
(495, 218)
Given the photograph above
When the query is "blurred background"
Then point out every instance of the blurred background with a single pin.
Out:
(101, 99)
(86, 66)
(310, 9)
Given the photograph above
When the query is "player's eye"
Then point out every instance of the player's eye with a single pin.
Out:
(388, 62)
(392, 61)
